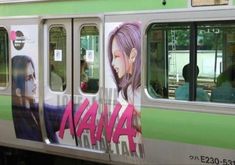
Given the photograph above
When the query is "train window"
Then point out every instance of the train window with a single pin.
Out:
(57, 58)
(216, 59)
(4, 58)
(209, 3)
(168, 52)
(191, 62)
(89, 59)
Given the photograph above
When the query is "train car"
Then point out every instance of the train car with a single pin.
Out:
(121, 82)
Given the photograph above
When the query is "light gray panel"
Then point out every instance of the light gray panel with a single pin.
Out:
(172, 153)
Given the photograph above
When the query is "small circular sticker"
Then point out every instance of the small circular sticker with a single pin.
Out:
(18, 40)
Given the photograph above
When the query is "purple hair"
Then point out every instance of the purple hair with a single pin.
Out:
(128, 37)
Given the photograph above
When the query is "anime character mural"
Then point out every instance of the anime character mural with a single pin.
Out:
(124, 77)
(24, 52)
(24, 108)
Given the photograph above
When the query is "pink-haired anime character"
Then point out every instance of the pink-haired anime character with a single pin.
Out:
(124, 53)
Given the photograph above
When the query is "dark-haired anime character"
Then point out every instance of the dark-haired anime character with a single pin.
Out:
(124, 53)
(24, 110)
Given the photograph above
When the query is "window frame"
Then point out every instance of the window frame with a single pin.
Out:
(48, 64)
(193, 53)
(7, 60)
(89, 24)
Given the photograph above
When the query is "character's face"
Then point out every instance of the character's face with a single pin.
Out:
(30, 82)
(120, 61)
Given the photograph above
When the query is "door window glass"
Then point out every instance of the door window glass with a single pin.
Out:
(57, 58)
(4, 58)
(89, 59)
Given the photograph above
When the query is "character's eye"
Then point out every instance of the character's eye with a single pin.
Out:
(116, 55)
(29, 77)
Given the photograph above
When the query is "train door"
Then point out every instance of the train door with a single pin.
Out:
(73, 82)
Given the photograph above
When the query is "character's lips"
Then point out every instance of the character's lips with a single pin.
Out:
(116, 70)
(34, 90)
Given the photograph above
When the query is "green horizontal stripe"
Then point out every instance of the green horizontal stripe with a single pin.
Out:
(86, 6)
(5, 108)
(189, 127)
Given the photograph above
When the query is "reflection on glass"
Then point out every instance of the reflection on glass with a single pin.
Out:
(168, 53)
(57, 58)
(89, 59)
(209, 2)
(4, 58)
(170, 70)
(219, 61)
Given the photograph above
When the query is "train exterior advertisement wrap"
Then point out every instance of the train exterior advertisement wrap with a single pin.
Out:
(122, 77)
(25, 111)
(113, 126)
(116, 127)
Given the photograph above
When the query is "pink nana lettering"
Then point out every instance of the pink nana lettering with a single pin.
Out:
(124, 124)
